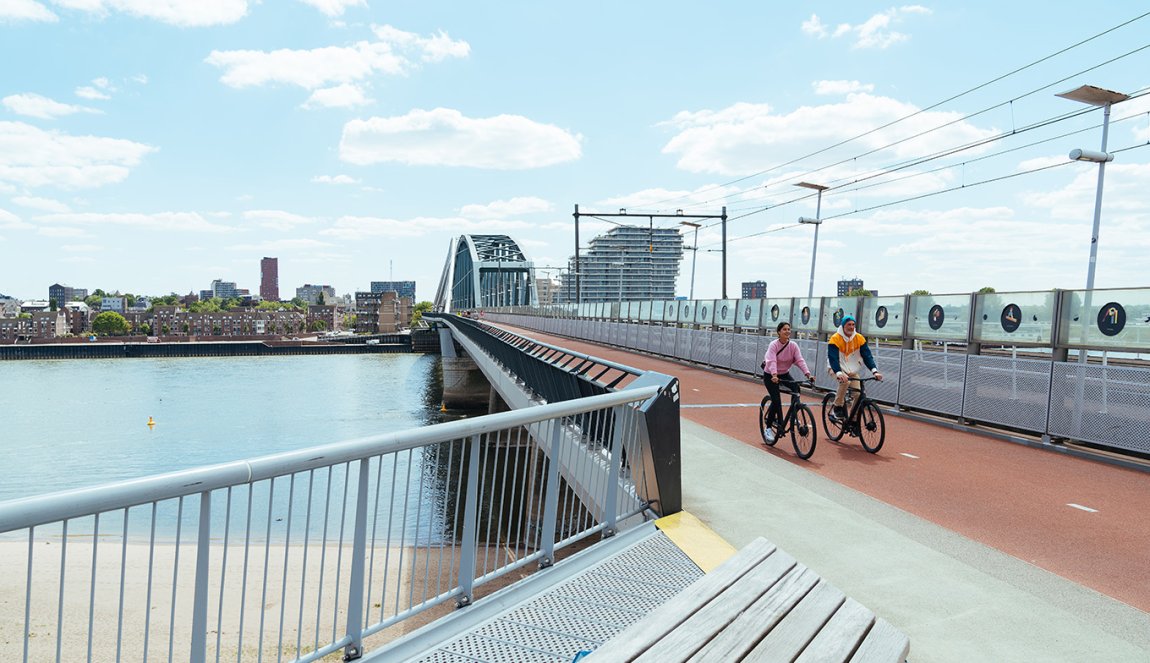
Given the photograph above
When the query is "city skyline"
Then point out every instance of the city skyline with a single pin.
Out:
(353, 139)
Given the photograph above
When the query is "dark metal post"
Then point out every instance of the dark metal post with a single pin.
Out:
(578, 292)
(724, 218)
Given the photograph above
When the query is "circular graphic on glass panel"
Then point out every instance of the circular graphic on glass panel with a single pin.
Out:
(837, 317)
(704, 312)
(686, 312)
(1111, 319)
(747, 313)
(724, 313)
(880, 317)
(1011, 317)
(775, 313)
(936, 317)
(805, 316)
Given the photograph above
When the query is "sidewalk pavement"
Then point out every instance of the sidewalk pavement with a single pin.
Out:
(957, 599)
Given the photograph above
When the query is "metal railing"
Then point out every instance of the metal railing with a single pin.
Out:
(299, 555)
(555, 374)
(1096, 403)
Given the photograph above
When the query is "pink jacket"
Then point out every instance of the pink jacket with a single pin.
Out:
(780, 358)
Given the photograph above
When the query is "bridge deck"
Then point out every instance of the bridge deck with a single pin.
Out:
(945, 533)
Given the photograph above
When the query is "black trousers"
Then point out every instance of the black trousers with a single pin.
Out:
(775, 413)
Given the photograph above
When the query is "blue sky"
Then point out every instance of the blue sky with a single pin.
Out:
(152, 146)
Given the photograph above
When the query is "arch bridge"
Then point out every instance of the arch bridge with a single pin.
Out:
(485, 271)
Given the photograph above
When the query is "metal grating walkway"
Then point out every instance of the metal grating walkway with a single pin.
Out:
(578, 613)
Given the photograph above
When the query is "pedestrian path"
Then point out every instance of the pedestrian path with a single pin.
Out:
(958, 600)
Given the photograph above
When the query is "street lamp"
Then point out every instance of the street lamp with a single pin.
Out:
(1095, 96)
(620, 266)
(694, 255)
(817, 221)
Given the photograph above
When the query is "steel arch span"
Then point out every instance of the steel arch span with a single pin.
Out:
(485, 271)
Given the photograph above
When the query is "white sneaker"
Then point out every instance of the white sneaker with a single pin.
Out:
(769, 436)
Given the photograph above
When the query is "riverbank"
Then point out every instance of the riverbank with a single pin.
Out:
(113, 350)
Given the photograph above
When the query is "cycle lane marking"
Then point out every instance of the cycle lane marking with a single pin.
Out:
(902, 453)
(1079, 506)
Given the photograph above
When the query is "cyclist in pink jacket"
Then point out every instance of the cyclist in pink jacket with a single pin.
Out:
(781, 355)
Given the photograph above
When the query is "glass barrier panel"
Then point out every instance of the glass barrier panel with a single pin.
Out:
(645, 311)
(940, 317)
(1014, 318)
(835, 309)
(658, 307)
(747, 313)
(882, 317)
(806, 314)
(686, 311)
(775, 311)
(725, 312)
(1106, 319)
(705, 312)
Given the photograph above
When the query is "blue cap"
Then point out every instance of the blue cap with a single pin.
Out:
(848, 317)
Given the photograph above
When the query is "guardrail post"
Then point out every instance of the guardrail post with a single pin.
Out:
(612, 508)
(470, 525)
(354, 649)
(200, 605)
(551, 497)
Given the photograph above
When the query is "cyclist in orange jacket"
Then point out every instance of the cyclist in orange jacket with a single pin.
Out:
(847, 353)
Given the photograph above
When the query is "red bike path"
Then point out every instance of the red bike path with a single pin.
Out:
(1085, 520)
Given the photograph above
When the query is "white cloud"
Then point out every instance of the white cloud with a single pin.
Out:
(89, 92)
(502, 209)
(334, 7)
(337, 179)
(444, 137)
(319, 67)
(33, 157)
(60, 231)
(814, 27)
(43, 204)
(35, 105)
(81, 248)
(276, 219)
(25, 10)
(340, 96)
(875, 32)
(738, 139)
(839, 88)
(183, 13)
(362, 227)
(99, 89)
(281, 246)
(165, 221)
(9, 221)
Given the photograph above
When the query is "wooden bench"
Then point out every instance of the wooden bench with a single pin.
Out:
(759, 605)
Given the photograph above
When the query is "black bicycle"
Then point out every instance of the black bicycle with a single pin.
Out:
(798, 420)
(863, 418)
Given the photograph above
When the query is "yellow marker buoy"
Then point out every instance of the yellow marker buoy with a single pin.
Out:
(151, 422)
(442, 407)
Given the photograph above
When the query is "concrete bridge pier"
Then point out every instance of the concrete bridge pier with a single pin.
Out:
(464, 385)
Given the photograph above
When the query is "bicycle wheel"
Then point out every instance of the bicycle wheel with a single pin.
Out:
(804, 432)
(764, 408)
(872, 429)
(833, 429)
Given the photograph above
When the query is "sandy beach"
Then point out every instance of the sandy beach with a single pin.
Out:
(246, 614)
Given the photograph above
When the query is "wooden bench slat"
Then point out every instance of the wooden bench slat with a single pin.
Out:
(712, 618)
(746, 631)
(787, 640)
(638, 637)
(839, 637)
(883, 644)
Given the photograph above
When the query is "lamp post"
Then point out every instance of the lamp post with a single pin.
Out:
(620, 266)
(1095, 96)
(817, 221)
(694, 254)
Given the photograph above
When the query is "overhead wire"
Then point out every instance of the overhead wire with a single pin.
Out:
(919, 111)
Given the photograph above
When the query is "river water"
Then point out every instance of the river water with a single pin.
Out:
(75, 423)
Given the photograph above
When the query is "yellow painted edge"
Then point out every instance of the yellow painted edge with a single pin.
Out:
(705, 548)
